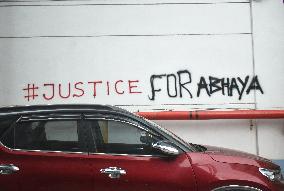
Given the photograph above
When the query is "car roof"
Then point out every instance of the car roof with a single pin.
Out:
(59, 108)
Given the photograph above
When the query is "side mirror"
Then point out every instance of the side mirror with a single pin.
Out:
(147, 138)
(166, 147)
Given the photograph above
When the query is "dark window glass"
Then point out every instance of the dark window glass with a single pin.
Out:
(50, 136)
(122, 138)
(6, 132)
(4, 125)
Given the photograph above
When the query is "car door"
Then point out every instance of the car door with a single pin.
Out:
(124, 160)
(50, 154)
(8, 176)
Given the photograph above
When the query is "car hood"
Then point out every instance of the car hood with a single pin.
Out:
(220, 154)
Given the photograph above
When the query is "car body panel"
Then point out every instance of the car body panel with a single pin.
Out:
(233, 156)
(212, 174)
(143, 173)
(11, 181)
(195, 169)
(45, 171)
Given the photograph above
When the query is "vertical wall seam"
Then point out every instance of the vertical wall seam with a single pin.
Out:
(253, 71)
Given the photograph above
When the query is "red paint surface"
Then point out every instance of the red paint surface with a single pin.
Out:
(194, 171)
(203, 115)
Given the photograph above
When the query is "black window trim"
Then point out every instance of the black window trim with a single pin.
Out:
(105, 115)
(51, 117)
(89, 117)
(9, 129)
(124, 121)
(185, 147)
(55, 117)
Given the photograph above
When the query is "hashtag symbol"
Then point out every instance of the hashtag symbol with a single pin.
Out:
(31, 92)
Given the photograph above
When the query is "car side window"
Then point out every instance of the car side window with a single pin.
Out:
(57, 135)
(6, 134)
(117, 137)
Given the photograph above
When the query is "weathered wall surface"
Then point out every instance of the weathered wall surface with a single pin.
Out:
(152, 55)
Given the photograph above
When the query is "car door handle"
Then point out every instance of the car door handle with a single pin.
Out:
(8, 168)
(113, 172)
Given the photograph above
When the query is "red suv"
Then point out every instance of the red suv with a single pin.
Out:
(104, 148)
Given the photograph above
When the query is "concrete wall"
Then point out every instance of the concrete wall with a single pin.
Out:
(151, 55)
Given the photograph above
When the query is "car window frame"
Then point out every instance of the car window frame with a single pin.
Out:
(136, 124)
(48, 117)
(181, 144)
(83, 115)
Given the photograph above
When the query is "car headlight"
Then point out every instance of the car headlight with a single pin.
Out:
(273, 175)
